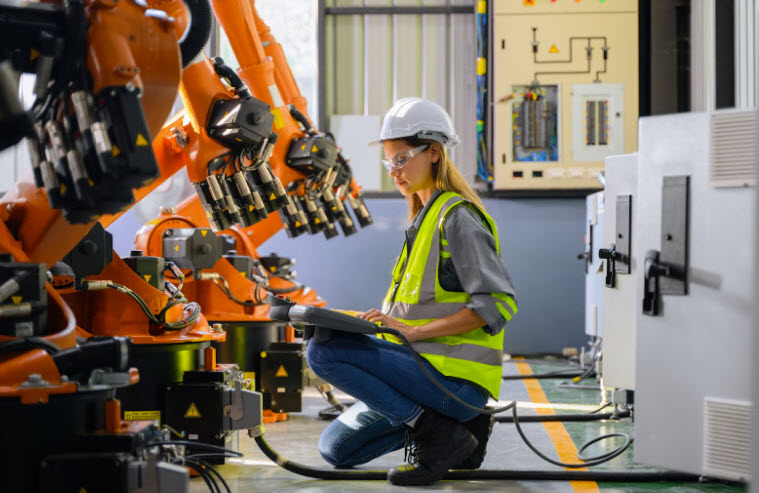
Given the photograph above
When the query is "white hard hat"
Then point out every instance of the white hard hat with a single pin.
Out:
(417, 117)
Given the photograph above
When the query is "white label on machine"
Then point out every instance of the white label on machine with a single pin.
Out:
(276, 98)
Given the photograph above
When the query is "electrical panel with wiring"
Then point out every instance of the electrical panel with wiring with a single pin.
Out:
(565, 91)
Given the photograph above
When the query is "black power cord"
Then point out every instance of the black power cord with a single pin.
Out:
(554, 374)
(564, 418)
(418, 359)
(592, 461)
(504, 475)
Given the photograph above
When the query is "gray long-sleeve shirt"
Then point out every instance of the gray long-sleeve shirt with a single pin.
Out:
(474, 267)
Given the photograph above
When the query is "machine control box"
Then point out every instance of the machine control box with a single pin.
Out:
(282, 377)
(192, 248)
(210, 405)
(25, 304)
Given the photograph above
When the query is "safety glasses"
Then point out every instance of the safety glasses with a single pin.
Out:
(399, 160)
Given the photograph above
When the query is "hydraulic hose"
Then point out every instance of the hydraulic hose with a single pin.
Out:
(505, 475)
(196, 36)
(301, 118)
(225, 71)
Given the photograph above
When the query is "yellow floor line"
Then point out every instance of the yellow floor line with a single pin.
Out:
(563, 443)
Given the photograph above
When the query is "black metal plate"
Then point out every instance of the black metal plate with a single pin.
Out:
(623, 234)
(674, 234)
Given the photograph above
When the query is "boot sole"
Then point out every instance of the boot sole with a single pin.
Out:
(463, 452)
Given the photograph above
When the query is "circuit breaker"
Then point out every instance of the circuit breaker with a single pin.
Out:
(565, 91)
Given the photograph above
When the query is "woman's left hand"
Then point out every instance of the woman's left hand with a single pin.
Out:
(375, 315)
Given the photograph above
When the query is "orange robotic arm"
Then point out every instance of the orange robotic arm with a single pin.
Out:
(290, 92)
(107, 72)
(92, 133)
(307, 163)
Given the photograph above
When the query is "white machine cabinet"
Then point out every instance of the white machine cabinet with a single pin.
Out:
(594, 276)
(694, 353)
(621, 288)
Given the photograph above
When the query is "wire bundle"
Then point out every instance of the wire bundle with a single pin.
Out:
(198, 463)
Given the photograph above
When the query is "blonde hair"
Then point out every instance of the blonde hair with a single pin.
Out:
(446, 176)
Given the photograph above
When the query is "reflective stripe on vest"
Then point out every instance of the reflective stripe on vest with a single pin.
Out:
(415, 298)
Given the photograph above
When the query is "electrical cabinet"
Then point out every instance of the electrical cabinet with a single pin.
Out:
(621, 280)
(695, 251)
(594, 277)
(565, 91)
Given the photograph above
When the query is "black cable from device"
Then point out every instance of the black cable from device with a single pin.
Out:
(550, 375)
(565, 418)
(27, 343)
(291, 289)
(195, 445)
(590, 461)
(418, 359)
(603, 406)
(213, 470)
(198, 468)
(481, 474)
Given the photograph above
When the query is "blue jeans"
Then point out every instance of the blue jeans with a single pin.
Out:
(385, 377)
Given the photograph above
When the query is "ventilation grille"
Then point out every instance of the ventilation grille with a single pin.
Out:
(733, 149)
(727, 439)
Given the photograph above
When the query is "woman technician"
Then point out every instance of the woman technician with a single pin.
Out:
(451, 296)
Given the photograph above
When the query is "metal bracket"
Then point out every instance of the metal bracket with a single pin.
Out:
(236, 411)
(610, 255)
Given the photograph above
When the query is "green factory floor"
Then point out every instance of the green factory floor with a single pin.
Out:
(296, 440)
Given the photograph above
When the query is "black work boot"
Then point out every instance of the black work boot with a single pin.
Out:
(481, 426)
(439, 443)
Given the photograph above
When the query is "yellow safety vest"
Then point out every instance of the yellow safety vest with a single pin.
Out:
(415, 298)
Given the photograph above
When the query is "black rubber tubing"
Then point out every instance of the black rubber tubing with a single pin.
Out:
(201, 22)
(490, 474)
(563, 417)
(542, 376)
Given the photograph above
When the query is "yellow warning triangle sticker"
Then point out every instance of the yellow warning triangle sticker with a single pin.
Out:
(17, 299)
(147, 277)
(204, 232)
(303, 147)
(553, 49)
(176, 248)
(116, 151)
(33, 54)
(141, 141)
(250, 207)
(297, 225)
(317, 221)
(314, 149)
(281, 372)
(242, 273)
(272, 196)
(272, 268)
(192, 411)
